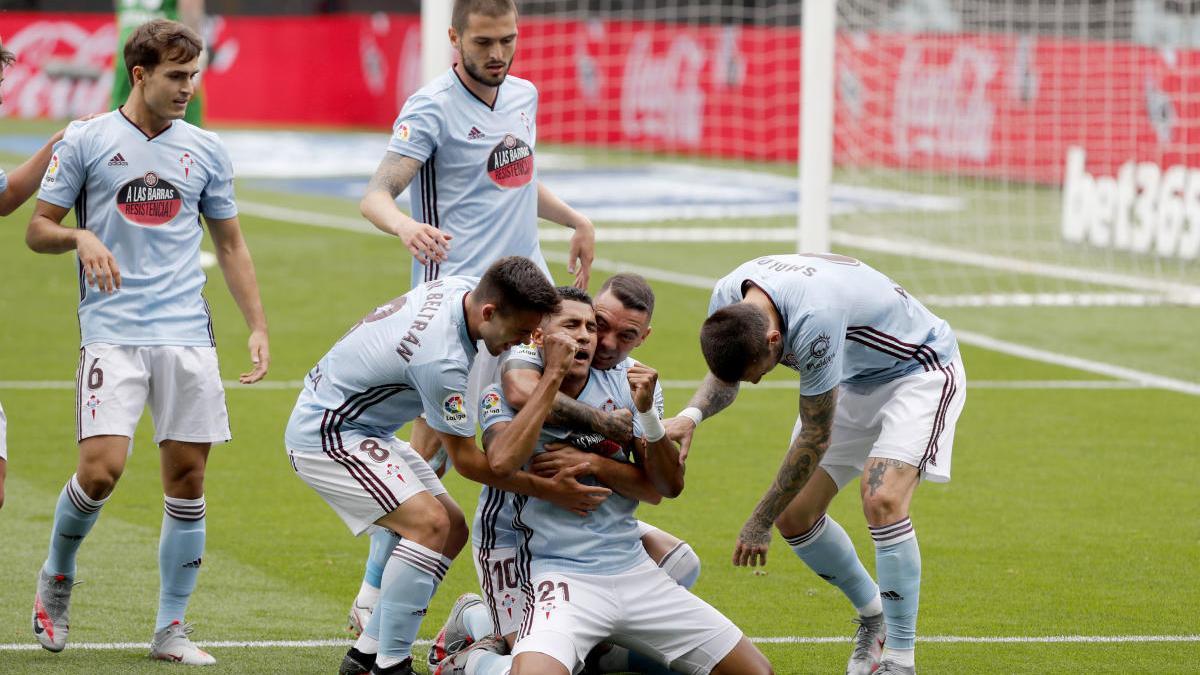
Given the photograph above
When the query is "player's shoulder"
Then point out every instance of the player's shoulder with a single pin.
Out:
(433, 92)
(521, 84)
(208, 139)
(78, 132)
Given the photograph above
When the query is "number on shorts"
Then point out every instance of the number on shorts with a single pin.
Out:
(374, 450)
(505, 572)
(546, 589)
(95, 376)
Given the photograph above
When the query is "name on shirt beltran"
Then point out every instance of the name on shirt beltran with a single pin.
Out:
(429, 309)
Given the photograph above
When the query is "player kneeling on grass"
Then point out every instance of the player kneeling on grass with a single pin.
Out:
(588, 580)
(409, 356)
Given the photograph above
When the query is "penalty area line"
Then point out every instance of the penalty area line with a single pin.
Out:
(780, 640)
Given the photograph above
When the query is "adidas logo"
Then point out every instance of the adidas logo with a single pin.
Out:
(420, 612)
(475, 134)
(70, 537)
(194, 563)
(891, 595)
(826, 577)
(118, 160)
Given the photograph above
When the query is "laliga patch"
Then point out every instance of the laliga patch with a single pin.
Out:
(403, 131)
(149, 200)
(489, 406)
(453, 410)
(511, 163)
(51, 171)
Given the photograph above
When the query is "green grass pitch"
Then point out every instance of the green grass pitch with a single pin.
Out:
(1071, 512)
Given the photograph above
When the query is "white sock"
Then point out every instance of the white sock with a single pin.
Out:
(900, 657)
(367, 644)
(368, 595)
(872, 608)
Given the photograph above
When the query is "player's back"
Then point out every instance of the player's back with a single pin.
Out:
(381, 373)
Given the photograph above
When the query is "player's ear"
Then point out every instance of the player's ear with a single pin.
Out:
(774, 337)
(488, 311)
(645, 335)
(537, 336)
(453, 35)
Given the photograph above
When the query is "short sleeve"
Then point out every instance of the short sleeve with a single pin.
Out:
(818, 348)
(418, 128)
(493, 409)
(216, 199)
(527, 353)
(65, 174)
(720, 297)
(443, 389)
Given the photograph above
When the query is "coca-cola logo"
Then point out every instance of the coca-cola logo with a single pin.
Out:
(63, 70)
(944, 110)
(660, 94)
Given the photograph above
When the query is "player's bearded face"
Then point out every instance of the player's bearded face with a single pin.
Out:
(620, 331)
(169, 87)
(487, 46)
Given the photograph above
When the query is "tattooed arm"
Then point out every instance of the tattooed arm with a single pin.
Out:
(520, 378)
(816, 414)
(425, 242)
(712, 397)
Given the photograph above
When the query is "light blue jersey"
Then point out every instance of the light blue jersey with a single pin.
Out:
(143, 197)
(408, 357)
(607, 540)
(3, 181)
(479, 179)
(844, 322)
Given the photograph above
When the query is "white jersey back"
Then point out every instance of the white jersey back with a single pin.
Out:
(409, 356)
(143, 197)
(843, 320)
(479, 179)
(607, 540)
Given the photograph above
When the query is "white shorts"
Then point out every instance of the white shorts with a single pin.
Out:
(367, 479)
(911, 419)
(497, 572)
(182, 385)
(642, 609)
(3, 435)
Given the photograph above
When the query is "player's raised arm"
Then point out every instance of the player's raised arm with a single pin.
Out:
(816, 415)
(238, 268)
(663, 466)
(713, 396)
(519, 379)
(583, 242)
(425, 242)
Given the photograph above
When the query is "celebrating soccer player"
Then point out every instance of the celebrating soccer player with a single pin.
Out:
(881, 387)
(139, 179)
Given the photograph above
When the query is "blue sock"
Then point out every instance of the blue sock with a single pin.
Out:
(382, 542)
(478, 620)
(483, 662)
(898, 564)
(828, 551)
(180, 549)
(409, 580)
(74, 516)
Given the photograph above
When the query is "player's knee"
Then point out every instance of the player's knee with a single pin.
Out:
(98, 479)
(884, 508)
(430, 527)
(456, 534)
(682, 564)
(793, 523)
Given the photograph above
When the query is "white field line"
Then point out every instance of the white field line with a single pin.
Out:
(788, 639)
(690, 385)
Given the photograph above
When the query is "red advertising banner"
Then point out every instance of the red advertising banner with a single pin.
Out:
(987, 105)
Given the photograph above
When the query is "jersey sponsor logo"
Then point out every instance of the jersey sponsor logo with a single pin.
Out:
(596, 444)
(118, 160)
(510, 164)
(51, 171)
(819, 353)
(403, 131)
(149, 200)
(453, 410)
(474, 134)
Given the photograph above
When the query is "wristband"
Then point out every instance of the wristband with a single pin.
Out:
(693, 414)
(652, 427)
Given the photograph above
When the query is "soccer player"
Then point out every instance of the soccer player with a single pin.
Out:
(589, 580)
(881, 387)
(470, 136)
(622, 312)
(139, 179)
(133, 13)
(15, 189)
(409, 356)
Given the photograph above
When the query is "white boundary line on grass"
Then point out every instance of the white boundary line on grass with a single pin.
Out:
(784, 640)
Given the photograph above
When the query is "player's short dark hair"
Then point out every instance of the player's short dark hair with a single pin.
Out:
(733, 339)
(6, 57)
(632, 290)
(157, 41)
(515, 284)
(492, 8)
(573, 293)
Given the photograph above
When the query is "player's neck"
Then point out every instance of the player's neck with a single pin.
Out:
(483, 92)
(572, 385)
(757, 297)
(136, 111)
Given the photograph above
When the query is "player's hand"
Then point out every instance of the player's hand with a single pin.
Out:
(680, 430)
(574, 496)
(260, 357)
(617, 425)
(642, 379)
(752, 544)
(99, 265)
(559, 456)
(425, 242)
(582, 252)
(558, 353)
